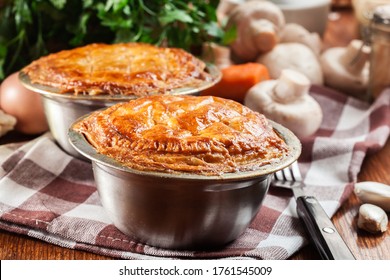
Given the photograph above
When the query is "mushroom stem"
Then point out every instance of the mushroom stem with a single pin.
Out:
(347, 69)
(264, 34)
(258, 24)
(290, 86)
(225, 7)
(355, 57)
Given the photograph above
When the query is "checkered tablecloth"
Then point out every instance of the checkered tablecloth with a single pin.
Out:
(51, 196)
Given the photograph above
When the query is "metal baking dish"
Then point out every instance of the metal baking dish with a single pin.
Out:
(62, 109)
(181, 211)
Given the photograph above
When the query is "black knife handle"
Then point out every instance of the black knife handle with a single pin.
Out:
(322, 231)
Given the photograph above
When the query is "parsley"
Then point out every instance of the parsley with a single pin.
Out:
(32, 28)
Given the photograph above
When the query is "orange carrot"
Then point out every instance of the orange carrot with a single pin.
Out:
(237, 80)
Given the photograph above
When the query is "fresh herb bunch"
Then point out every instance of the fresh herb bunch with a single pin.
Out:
(32, 28)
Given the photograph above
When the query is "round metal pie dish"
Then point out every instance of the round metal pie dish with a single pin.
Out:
(62, 109)
(181, 211)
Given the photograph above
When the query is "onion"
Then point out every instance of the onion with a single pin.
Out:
(25, 105)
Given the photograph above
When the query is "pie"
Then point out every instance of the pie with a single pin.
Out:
(118, 69)
(203, 135)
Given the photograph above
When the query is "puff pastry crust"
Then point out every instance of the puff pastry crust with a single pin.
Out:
(191, 134)
(126, 68)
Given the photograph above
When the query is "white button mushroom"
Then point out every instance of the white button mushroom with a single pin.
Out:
(295, 33)
(372, 218)
(295, 56)
(347, 68)
(257, 24)
(287, 101)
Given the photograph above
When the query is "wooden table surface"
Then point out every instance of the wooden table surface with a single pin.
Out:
(342, 28)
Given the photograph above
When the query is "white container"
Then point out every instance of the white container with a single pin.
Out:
(311, 14)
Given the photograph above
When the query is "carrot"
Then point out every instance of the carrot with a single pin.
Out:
(237, 80)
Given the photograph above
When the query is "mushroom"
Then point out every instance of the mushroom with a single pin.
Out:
(225, 7)
(372, 218)
(257, 24)
(347, 68)
(216, 54)
(287, 101)
(295, 33)
(294, 56)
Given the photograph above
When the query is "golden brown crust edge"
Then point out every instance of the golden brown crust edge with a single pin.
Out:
(126, 69)
(187, 134)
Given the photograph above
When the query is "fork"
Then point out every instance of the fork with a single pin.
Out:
(322, 231)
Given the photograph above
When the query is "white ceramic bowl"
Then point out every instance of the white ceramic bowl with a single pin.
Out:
(311, 14)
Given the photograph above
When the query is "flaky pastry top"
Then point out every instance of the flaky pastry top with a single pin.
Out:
(125, 68)
(191, 134)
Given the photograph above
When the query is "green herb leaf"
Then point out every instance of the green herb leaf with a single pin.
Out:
(174, 15)
(229, 36)
(59, 4)
(115, 5)
(22, 13)
(29, 29)
(80, 30)
(3, 54)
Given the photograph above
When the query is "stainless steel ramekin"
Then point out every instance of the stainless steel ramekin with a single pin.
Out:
(61, 110)
(181, 211)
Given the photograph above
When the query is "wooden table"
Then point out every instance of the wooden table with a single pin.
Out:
(341, 29)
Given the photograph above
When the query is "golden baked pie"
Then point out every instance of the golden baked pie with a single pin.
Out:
(192, 134)
(125, 68)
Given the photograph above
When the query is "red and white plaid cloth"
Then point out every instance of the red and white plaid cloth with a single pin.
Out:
(51, 196)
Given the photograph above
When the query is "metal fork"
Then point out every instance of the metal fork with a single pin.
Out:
(322, 231)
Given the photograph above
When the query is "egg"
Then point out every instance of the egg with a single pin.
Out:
(25, 105)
